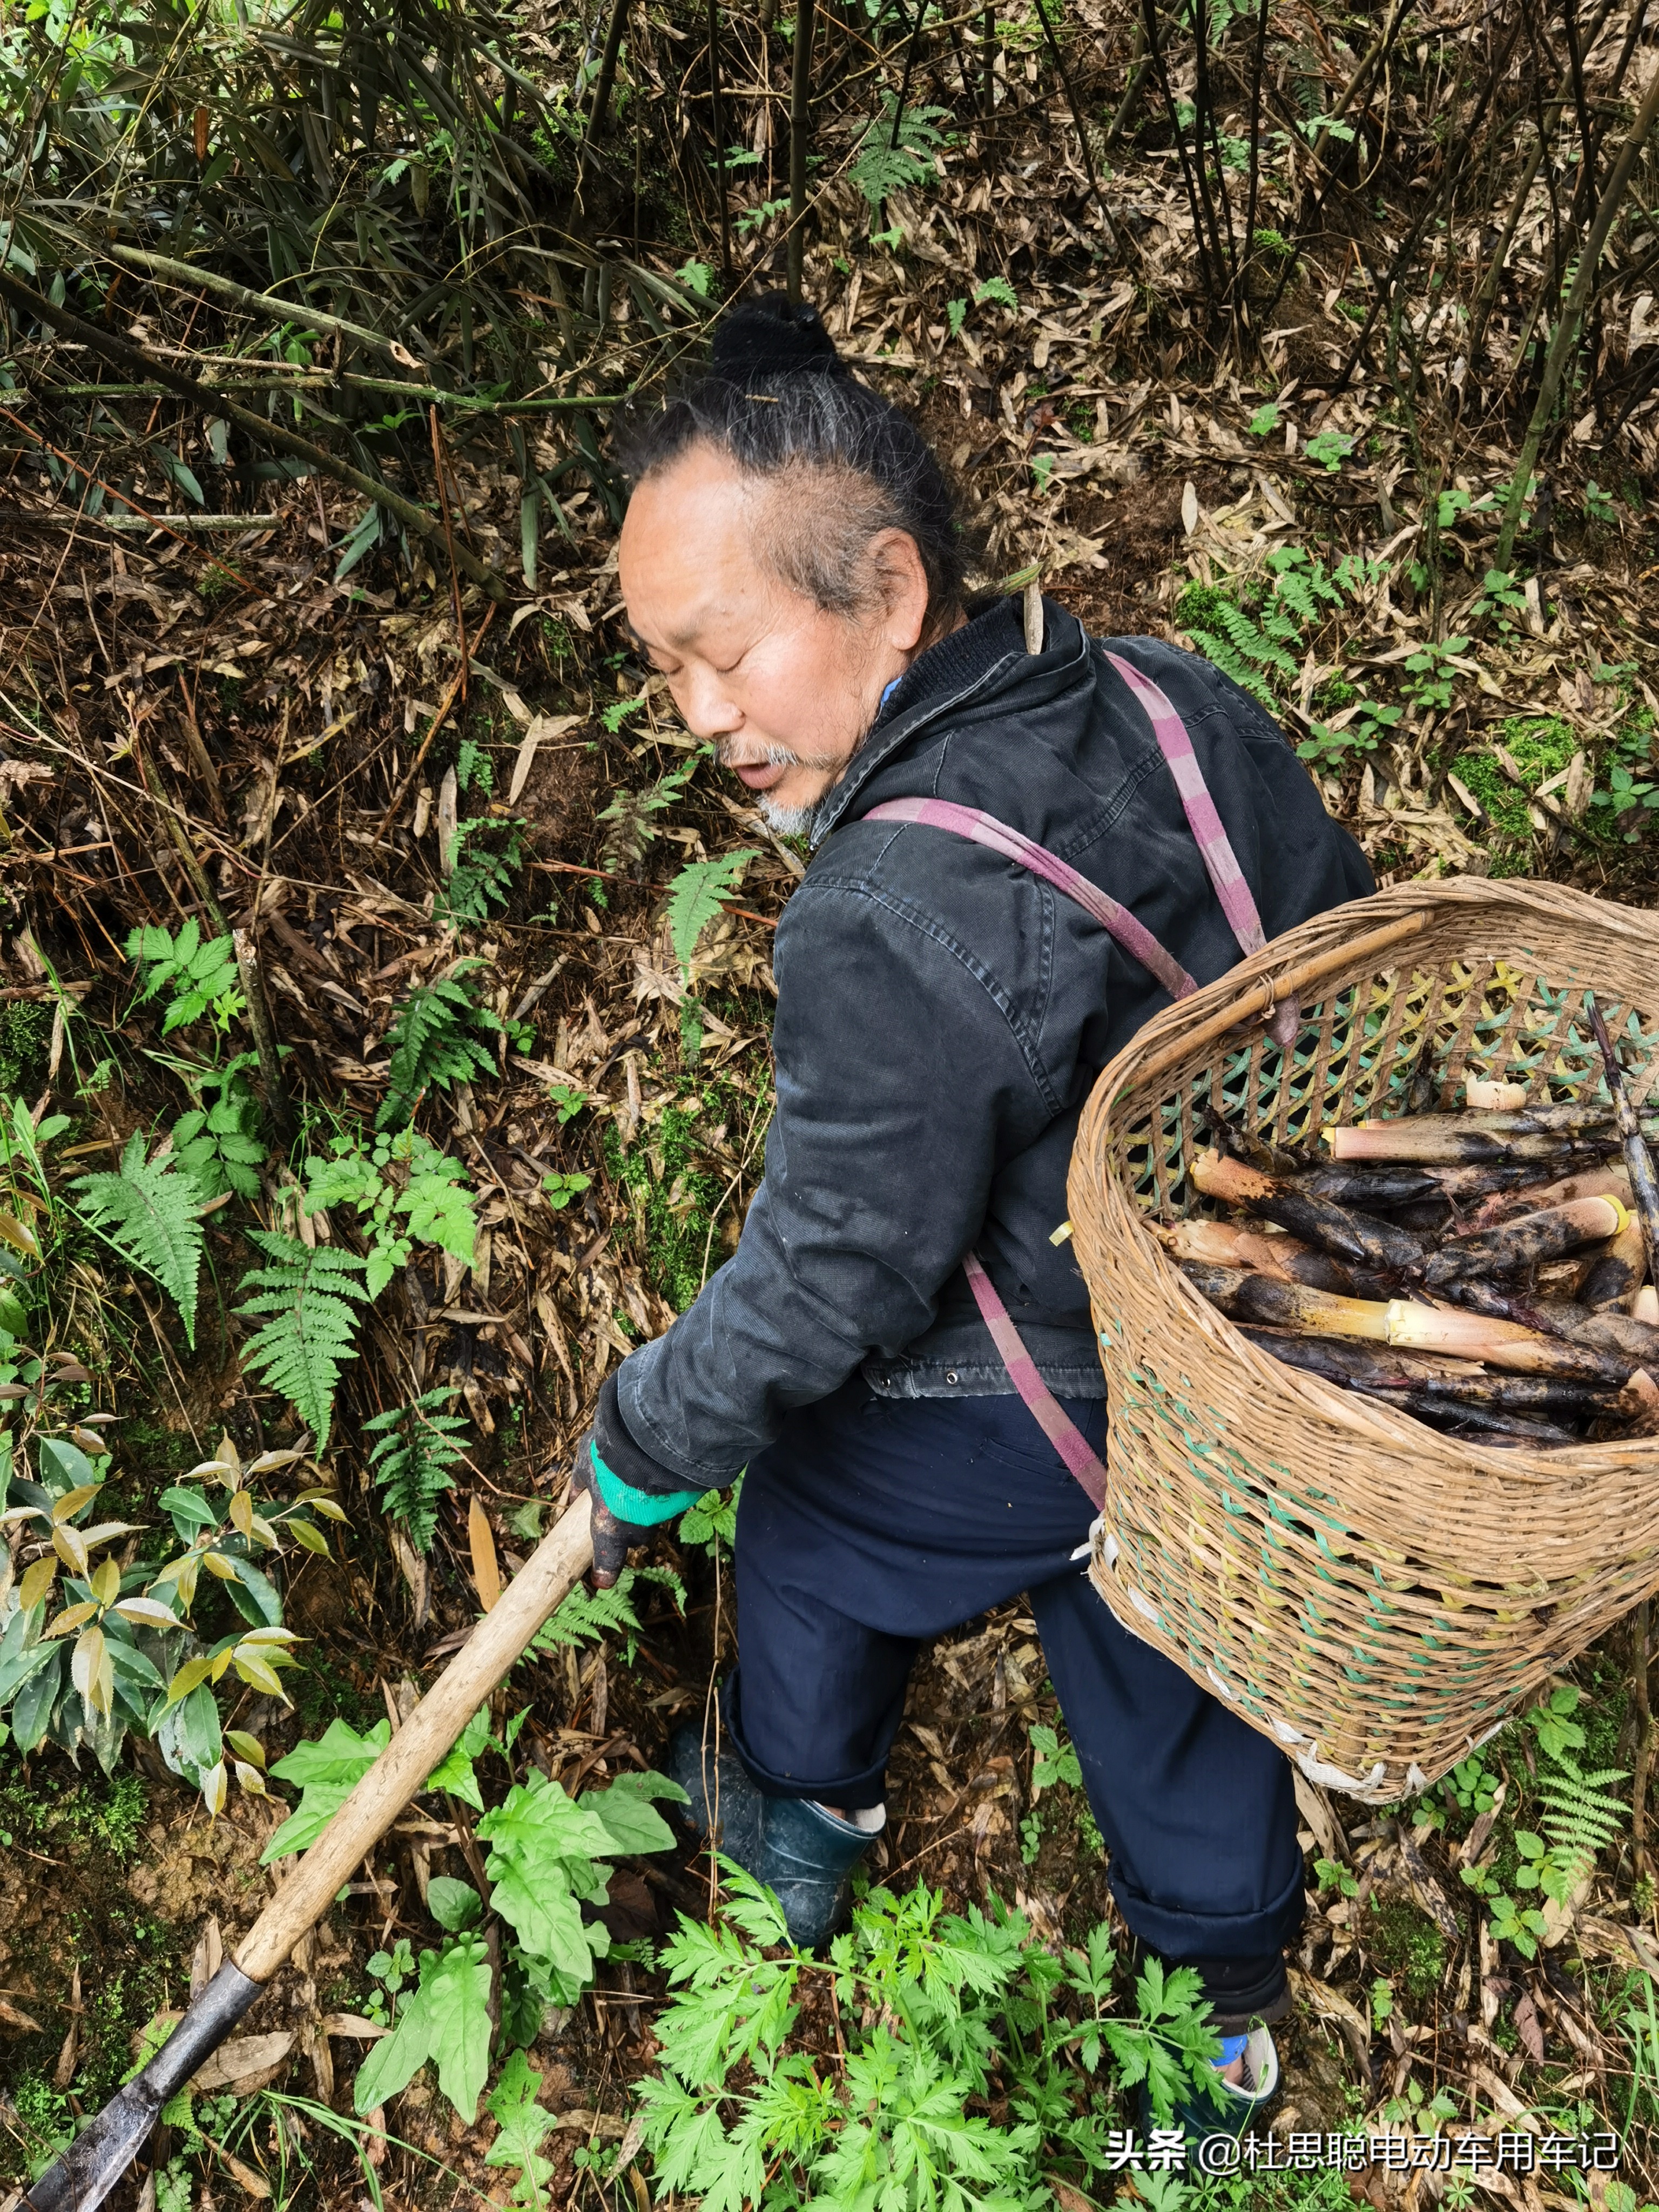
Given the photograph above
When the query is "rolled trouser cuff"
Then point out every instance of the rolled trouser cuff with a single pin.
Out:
(1240, 1992)
(851, 1793)
(1222, 1944)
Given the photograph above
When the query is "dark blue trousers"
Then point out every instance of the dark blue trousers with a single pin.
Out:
(873, 1524)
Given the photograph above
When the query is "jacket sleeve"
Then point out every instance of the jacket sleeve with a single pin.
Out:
(879, 1162)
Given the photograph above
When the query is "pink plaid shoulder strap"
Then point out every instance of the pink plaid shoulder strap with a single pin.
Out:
(1226, 879)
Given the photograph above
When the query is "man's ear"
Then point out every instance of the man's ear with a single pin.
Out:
(902, 581)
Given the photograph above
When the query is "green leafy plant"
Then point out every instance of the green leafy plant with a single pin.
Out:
(545, 1861)
(562, 1185)
(1551, 1722)
(613, 716)
(404, 1191)
(121, 1652)
(473, 767)
(411, 1461)
(1582, 1819)
(1265, 420)
(522, 2125)
(201, 977)
(928, 2007)
(445, 2020)
(437, 1041)
(1432, 672)
(1625, 791)
(311, 1298)
(712, 1523)
(391, 1969)
(887, 160)
(1502, 595)
(218, 1142)
(478, 876)
(630, 819)
(997, 291)
(1256, 642)
(1598, 504)
(1328, 747)
(1329, 449)
(697, 897)
(1331, 1875)
(150, 1214)
(588, 1616)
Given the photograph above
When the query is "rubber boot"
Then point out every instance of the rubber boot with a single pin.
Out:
(1232, 2107)
(806, 1854)
(803, 1853)
(731, 1822)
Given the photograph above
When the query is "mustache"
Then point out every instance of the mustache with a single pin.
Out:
(726, 752)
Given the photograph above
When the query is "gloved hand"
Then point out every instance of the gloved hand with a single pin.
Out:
(622, 1517)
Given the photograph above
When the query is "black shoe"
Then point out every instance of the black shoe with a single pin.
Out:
(802, 1853)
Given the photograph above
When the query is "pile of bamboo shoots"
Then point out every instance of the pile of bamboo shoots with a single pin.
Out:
(1491, 1271)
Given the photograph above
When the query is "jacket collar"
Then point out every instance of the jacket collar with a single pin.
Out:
(981, 656)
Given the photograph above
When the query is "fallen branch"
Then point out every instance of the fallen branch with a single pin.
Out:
(134, 359)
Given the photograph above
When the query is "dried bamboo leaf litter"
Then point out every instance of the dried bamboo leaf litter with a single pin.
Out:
(1375, 1596)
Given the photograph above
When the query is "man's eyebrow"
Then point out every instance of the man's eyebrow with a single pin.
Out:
(676, 637)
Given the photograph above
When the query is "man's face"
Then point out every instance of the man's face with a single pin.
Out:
(783, 690)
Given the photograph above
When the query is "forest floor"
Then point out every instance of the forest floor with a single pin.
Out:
(277, 709)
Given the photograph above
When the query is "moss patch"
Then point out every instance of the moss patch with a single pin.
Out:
(673, 1190)
(1405, 1946)
(1539, 748)
(25, 1045)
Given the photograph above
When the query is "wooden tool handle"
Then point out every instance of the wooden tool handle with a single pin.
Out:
(431, 1731)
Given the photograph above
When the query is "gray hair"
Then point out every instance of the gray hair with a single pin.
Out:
(778, 402)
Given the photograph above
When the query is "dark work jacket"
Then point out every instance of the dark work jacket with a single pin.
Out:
(942, 1014)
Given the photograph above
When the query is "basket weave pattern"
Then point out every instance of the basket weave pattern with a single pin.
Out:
(1376, 1597)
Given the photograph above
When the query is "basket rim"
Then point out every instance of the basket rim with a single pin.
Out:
(1333, 940)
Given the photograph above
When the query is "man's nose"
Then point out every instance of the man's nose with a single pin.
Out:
(708, 705)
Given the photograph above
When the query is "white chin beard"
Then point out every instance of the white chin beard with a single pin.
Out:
(785, 821)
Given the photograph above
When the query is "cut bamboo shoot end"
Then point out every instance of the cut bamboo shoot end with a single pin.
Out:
(1645, 1306)
(1442, 1329)
(1494, 1097)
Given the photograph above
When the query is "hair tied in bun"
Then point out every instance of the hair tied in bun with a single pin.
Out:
(774, 337)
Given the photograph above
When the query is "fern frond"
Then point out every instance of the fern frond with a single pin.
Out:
(313, 1329)
(1219, 650)
(1251, 643)
(151, 1213)
(695, 898)
(478, 880)
(888, 161)
(587, 1615)
(1581, 1818)
(411, 1462)
(435, 1043)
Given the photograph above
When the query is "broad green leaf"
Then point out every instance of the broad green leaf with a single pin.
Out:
(455, 1906)
(339, 1754)
(629, 1820)
(445, 2020)
(541, 1825)
(523, 2122)
(536, 1901)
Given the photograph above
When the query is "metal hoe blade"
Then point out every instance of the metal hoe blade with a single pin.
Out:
(97, 2159)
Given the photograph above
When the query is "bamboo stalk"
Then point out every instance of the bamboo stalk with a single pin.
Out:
(598, 115)
(1566, 330)
(717, 118)
(801, 104)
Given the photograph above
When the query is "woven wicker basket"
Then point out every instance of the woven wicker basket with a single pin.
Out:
(1372, 1595)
